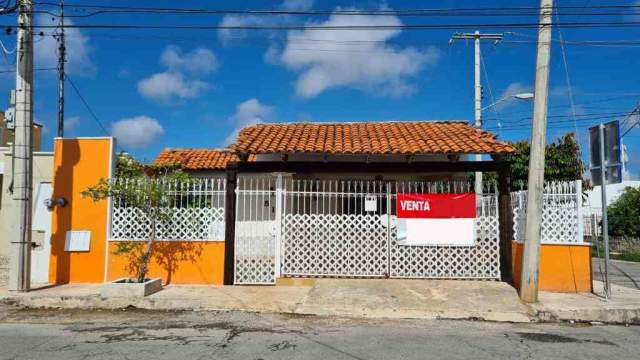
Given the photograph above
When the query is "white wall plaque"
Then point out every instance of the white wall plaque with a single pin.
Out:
(77, 240)
(436, 232)
(370, 203)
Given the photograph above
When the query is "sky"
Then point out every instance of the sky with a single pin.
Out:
(158, 88)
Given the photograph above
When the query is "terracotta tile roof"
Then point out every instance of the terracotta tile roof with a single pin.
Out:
(419, 137)
(196, 159)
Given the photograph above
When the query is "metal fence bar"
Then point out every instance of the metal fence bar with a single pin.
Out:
(195, 210)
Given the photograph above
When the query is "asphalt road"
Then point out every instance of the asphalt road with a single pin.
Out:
(623, 273)
(134, 334)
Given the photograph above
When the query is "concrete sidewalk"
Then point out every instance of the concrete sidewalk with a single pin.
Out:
(357, 298)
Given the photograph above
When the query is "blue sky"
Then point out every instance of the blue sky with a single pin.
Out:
(194, 88)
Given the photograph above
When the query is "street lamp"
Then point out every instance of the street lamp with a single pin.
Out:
(521, 96)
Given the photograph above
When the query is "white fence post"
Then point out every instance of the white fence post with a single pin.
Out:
(278, 223)
(580, 232)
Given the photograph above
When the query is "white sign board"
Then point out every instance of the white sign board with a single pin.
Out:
(370, 203)
(436, 232)
(77, 240)
(443, 219)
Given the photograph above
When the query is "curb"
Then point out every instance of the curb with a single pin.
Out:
(96, 302)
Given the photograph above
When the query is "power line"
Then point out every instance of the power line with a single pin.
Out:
(630, 43)
(568, 80)
(635, 112)
(478, 11)
(522, 25)
(36, 69)
(86, 105)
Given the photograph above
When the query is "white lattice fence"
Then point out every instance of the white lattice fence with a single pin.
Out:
(195, 212)
(347, 229)
(335, 245)
(328, 229)
(562, 220)
(480, 261)
(130, 223)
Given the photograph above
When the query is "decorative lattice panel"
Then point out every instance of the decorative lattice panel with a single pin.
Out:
(481, 261)
(129, 223)
(560, 218)
(255, 252)
(344, 245)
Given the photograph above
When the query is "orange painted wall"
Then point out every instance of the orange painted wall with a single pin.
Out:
(176, 262)
(78, 164)
(563, 268)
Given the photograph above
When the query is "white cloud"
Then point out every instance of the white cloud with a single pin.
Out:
(513, 89)
(248, 113)
(137, 132)
(182, 79)
(197, 61)
(166, 86)
(354, 58)
(71, 122)
(77, 45)
(226, 35)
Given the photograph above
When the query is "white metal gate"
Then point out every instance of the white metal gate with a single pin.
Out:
(481, 261)
(256, 230)
(347, 229)
(327, 231)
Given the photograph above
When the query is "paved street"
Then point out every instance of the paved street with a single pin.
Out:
(135, 334)
(623, 273)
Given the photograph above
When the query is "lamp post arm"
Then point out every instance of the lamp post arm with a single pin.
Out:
(496, 103)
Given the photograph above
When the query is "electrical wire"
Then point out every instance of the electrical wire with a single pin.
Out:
(568, 81)
(89, 109)
(493, 101)
(522, 25)
(481, 11)
(35, 69)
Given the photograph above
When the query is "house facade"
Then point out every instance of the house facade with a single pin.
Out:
(307, 200)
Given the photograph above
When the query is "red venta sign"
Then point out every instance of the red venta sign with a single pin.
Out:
(436, 206)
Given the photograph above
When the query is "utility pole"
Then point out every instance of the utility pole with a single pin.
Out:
(20, 262)
(531, 256)
(477, 37)
(605, 221)
(61, 60)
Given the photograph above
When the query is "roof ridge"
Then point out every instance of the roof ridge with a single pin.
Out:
(198, 149)
(359, 122)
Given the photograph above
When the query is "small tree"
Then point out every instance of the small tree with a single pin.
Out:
(624, 214)
(563, 161)
(150, 196)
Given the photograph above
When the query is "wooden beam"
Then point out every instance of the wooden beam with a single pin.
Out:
(505, 215)
(374, 167)
(230, 224)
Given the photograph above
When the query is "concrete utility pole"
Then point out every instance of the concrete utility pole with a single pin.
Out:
(61, 60)
(20, 263)
(531, 256)
(477, 37)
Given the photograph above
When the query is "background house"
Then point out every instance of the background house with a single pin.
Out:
(42, 177)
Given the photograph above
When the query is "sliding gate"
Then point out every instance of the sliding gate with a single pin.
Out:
(336, 228)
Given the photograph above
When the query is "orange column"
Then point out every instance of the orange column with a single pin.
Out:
(563, 267)
(78, 164)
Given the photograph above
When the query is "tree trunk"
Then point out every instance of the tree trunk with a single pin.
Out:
(146, 256)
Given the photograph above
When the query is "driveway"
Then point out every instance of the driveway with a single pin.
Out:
(623, 273)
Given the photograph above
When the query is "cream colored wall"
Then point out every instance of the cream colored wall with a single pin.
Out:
(42, 172)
